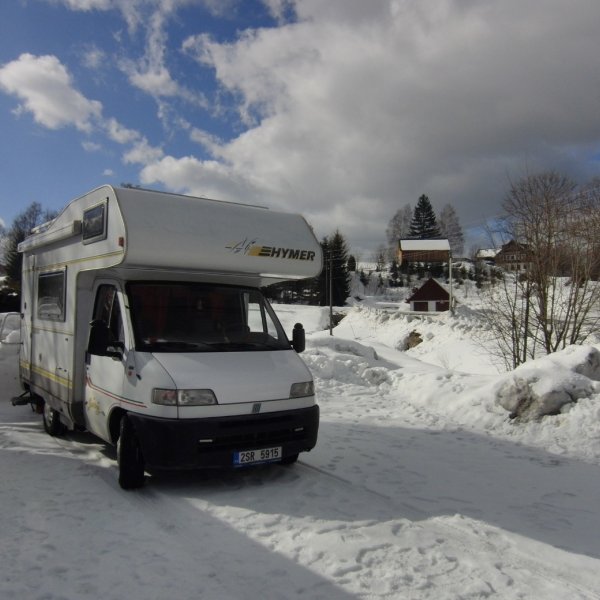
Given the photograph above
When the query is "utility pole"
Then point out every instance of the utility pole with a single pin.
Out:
(450, 277)
(330, 292)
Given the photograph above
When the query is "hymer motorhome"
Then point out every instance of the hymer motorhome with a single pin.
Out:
(143, 322)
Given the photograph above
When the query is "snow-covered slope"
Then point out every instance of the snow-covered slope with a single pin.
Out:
(421, 486)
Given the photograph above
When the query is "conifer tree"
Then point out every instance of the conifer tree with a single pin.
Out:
(351, 264)
(424, 224)
(335, 257)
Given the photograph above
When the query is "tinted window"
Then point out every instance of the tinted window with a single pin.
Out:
(182, 317)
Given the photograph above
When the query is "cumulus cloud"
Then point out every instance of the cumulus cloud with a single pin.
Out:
(207, 178)
(142, 153)
(46, 90)
(350, 109)
(91, 146)
(357, 108)
(120, 134)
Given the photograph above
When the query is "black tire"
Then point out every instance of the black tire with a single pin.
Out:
(52, 423)
(129, 457)
(289, 460)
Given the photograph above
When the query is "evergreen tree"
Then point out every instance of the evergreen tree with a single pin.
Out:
(394, 273)
(351, 264)
(451, 230)
(364, 278)
(335, 256)
(424, 224)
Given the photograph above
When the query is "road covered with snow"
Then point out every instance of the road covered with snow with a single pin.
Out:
(421, 486)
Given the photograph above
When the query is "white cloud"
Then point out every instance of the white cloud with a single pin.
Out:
(280, 10)
(108, 172)
(120, 134)
(150, 73)
(155, 80)
(93, 57)
(89, 4)
(91, 146)
(45, 88)
(209, 141)
(358, 108)
(142, 153)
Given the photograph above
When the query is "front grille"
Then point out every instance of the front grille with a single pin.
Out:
(236, 434)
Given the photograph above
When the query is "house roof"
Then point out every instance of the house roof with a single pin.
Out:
(424, 245)
(487, 252)
(512, 246)
(430, 290)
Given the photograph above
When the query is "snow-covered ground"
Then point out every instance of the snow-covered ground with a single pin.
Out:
(421, 486)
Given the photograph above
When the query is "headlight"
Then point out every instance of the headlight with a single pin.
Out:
(196, 397)
(301, 390)
(164, 397)
(183, 397)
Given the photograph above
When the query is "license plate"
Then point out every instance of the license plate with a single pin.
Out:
(252, 457)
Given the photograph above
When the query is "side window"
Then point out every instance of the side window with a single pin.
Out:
(259, 319)
(51, 295)
(107, 309)
(94, 223)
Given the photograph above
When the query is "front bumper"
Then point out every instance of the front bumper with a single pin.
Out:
(211, 442)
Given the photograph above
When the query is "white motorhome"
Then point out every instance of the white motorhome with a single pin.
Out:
(143, 322)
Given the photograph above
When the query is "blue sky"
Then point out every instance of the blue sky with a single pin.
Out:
(344, 110)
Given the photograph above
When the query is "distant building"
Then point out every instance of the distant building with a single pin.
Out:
(425, 251)
(487, 255)
(430, 297)
(514, 257)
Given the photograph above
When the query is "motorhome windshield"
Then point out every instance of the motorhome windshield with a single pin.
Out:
(194, 317)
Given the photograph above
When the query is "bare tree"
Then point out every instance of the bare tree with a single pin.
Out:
(379, 258)
(31, 217)
(555, 302)
(507, 319)
(451, 230)
(398, 228)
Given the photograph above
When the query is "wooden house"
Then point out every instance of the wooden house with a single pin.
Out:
(423, 251)
(514, 257)
(430, 297)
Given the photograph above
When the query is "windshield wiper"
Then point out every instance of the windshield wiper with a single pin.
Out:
(178, 346)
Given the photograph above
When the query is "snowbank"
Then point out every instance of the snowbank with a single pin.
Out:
(449, 380)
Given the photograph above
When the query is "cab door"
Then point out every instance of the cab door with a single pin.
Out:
(105, 364)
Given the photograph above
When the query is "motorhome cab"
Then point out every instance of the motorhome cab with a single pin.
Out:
(144, 323)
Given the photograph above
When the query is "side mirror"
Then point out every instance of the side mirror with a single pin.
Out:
(298, 338)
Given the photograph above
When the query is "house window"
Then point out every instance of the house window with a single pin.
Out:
(51, 296)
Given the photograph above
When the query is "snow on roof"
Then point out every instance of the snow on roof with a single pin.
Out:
(487, 252)
(424, 245)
